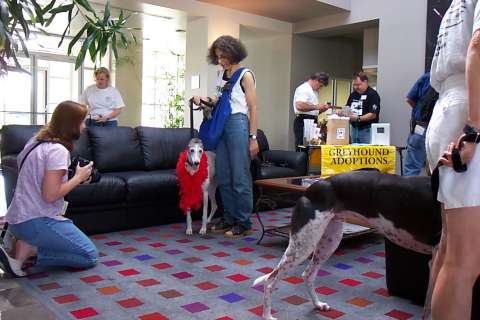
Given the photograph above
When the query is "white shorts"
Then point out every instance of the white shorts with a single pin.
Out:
(457, 190)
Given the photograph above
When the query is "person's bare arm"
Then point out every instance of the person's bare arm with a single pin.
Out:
(212, 99)
(305, 107)
(251, 97)
(115, 113)
(366, 117)
(473, 86)
(53, 187)
(473, 80)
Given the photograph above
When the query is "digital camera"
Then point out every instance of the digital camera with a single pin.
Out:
(77, 160)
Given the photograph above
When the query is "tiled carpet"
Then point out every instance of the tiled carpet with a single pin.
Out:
(159, 273)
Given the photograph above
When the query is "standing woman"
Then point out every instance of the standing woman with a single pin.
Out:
(455, 74)
(238, 142)
(104, 101)
(35, 214)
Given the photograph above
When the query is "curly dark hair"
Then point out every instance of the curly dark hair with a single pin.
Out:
(233, 50)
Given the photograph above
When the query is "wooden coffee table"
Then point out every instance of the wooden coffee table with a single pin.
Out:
(272, 191)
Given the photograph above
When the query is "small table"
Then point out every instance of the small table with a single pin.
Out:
(291, 189)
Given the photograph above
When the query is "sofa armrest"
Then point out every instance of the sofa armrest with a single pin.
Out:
(289, 159)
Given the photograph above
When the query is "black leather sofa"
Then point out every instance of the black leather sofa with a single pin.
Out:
(138, 187)
(407, 275)
(271, 164)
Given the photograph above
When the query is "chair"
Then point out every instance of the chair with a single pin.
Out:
(269, 164)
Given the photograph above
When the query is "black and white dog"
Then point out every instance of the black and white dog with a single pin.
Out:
(196, 176)
(403, 209)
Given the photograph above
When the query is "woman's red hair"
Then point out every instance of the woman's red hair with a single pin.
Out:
(64, 127)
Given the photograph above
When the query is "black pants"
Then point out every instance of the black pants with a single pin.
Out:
(298, 127)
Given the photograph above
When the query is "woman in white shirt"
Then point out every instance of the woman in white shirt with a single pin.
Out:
(104, 102)
(455, 75)
(238, 143)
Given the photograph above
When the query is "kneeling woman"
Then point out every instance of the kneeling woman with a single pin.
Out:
(35, 214)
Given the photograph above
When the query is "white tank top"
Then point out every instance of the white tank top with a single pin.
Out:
(238, 99)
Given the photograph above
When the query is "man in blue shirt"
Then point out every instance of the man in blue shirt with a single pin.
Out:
(422, 98)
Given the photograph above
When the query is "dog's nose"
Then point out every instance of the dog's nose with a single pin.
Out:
(196, 163)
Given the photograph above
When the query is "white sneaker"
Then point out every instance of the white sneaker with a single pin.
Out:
(10, 265)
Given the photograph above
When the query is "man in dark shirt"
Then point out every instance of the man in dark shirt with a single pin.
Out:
(364, 104)
(422, 98)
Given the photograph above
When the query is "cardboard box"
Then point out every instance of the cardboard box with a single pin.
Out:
(338, 130)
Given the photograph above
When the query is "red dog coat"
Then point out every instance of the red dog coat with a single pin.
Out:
(191, 194)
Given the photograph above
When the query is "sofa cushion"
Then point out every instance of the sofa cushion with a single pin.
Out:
(10, 161)
(109, 190)
(82, 147)
(115, 149)
(162, 146)
(15, 137)
(157, 185)
(262, 142)
(268, 171)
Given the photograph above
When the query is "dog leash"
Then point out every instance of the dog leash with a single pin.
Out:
(200, 107)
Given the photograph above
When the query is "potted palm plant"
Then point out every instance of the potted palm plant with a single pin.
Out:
(19, 17)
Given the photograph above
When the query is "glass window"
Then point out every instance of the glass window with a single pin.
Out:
(15, 96)
(163, 76)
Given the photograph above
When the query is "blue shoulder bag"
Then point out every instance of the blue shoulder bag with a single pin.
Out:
(211, 129)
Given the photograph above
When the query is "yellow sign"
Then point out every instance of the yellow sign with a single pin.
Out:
(337, 159)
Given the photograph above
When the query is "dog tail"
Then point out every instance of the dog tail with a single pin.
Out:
(261, 279)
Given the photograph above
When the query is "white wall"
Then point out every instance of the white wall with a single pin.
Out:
(197, 45)
(269, 57)
(401, 51)
(370, 47)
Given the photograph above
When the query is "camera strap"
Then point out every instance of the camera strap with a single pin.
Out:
(29, 151)
(5, 225)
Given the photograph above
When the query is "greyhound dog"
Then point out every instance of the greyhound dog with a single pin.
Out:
(403, 209)
(196, 176)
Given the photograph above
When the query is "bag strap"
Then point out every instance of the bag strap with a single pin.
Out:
(235, 78)
(29, 151)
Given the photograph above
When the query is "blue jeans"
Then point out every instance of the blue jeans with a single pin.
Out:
(232, 166)
(93, 123)
(416, 155)
(59, 243)
(360, 135)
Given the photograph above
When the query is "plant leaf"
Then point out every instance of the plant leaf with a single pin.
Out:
(114, 46)
(76, 38)
(49, 7)
(92, 49)
(124, 40)
(38, 11)
(104, 46)
(17, 14)
(85, 4)
(106, 14)
(63, 8)
(83, 50)
(24, 47)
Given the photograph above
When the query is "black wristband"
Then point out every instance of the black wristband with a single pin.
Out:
(471, 134)
(468, 129)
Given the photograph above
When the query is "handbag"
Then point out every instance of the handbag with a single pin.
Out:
(211, 130)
